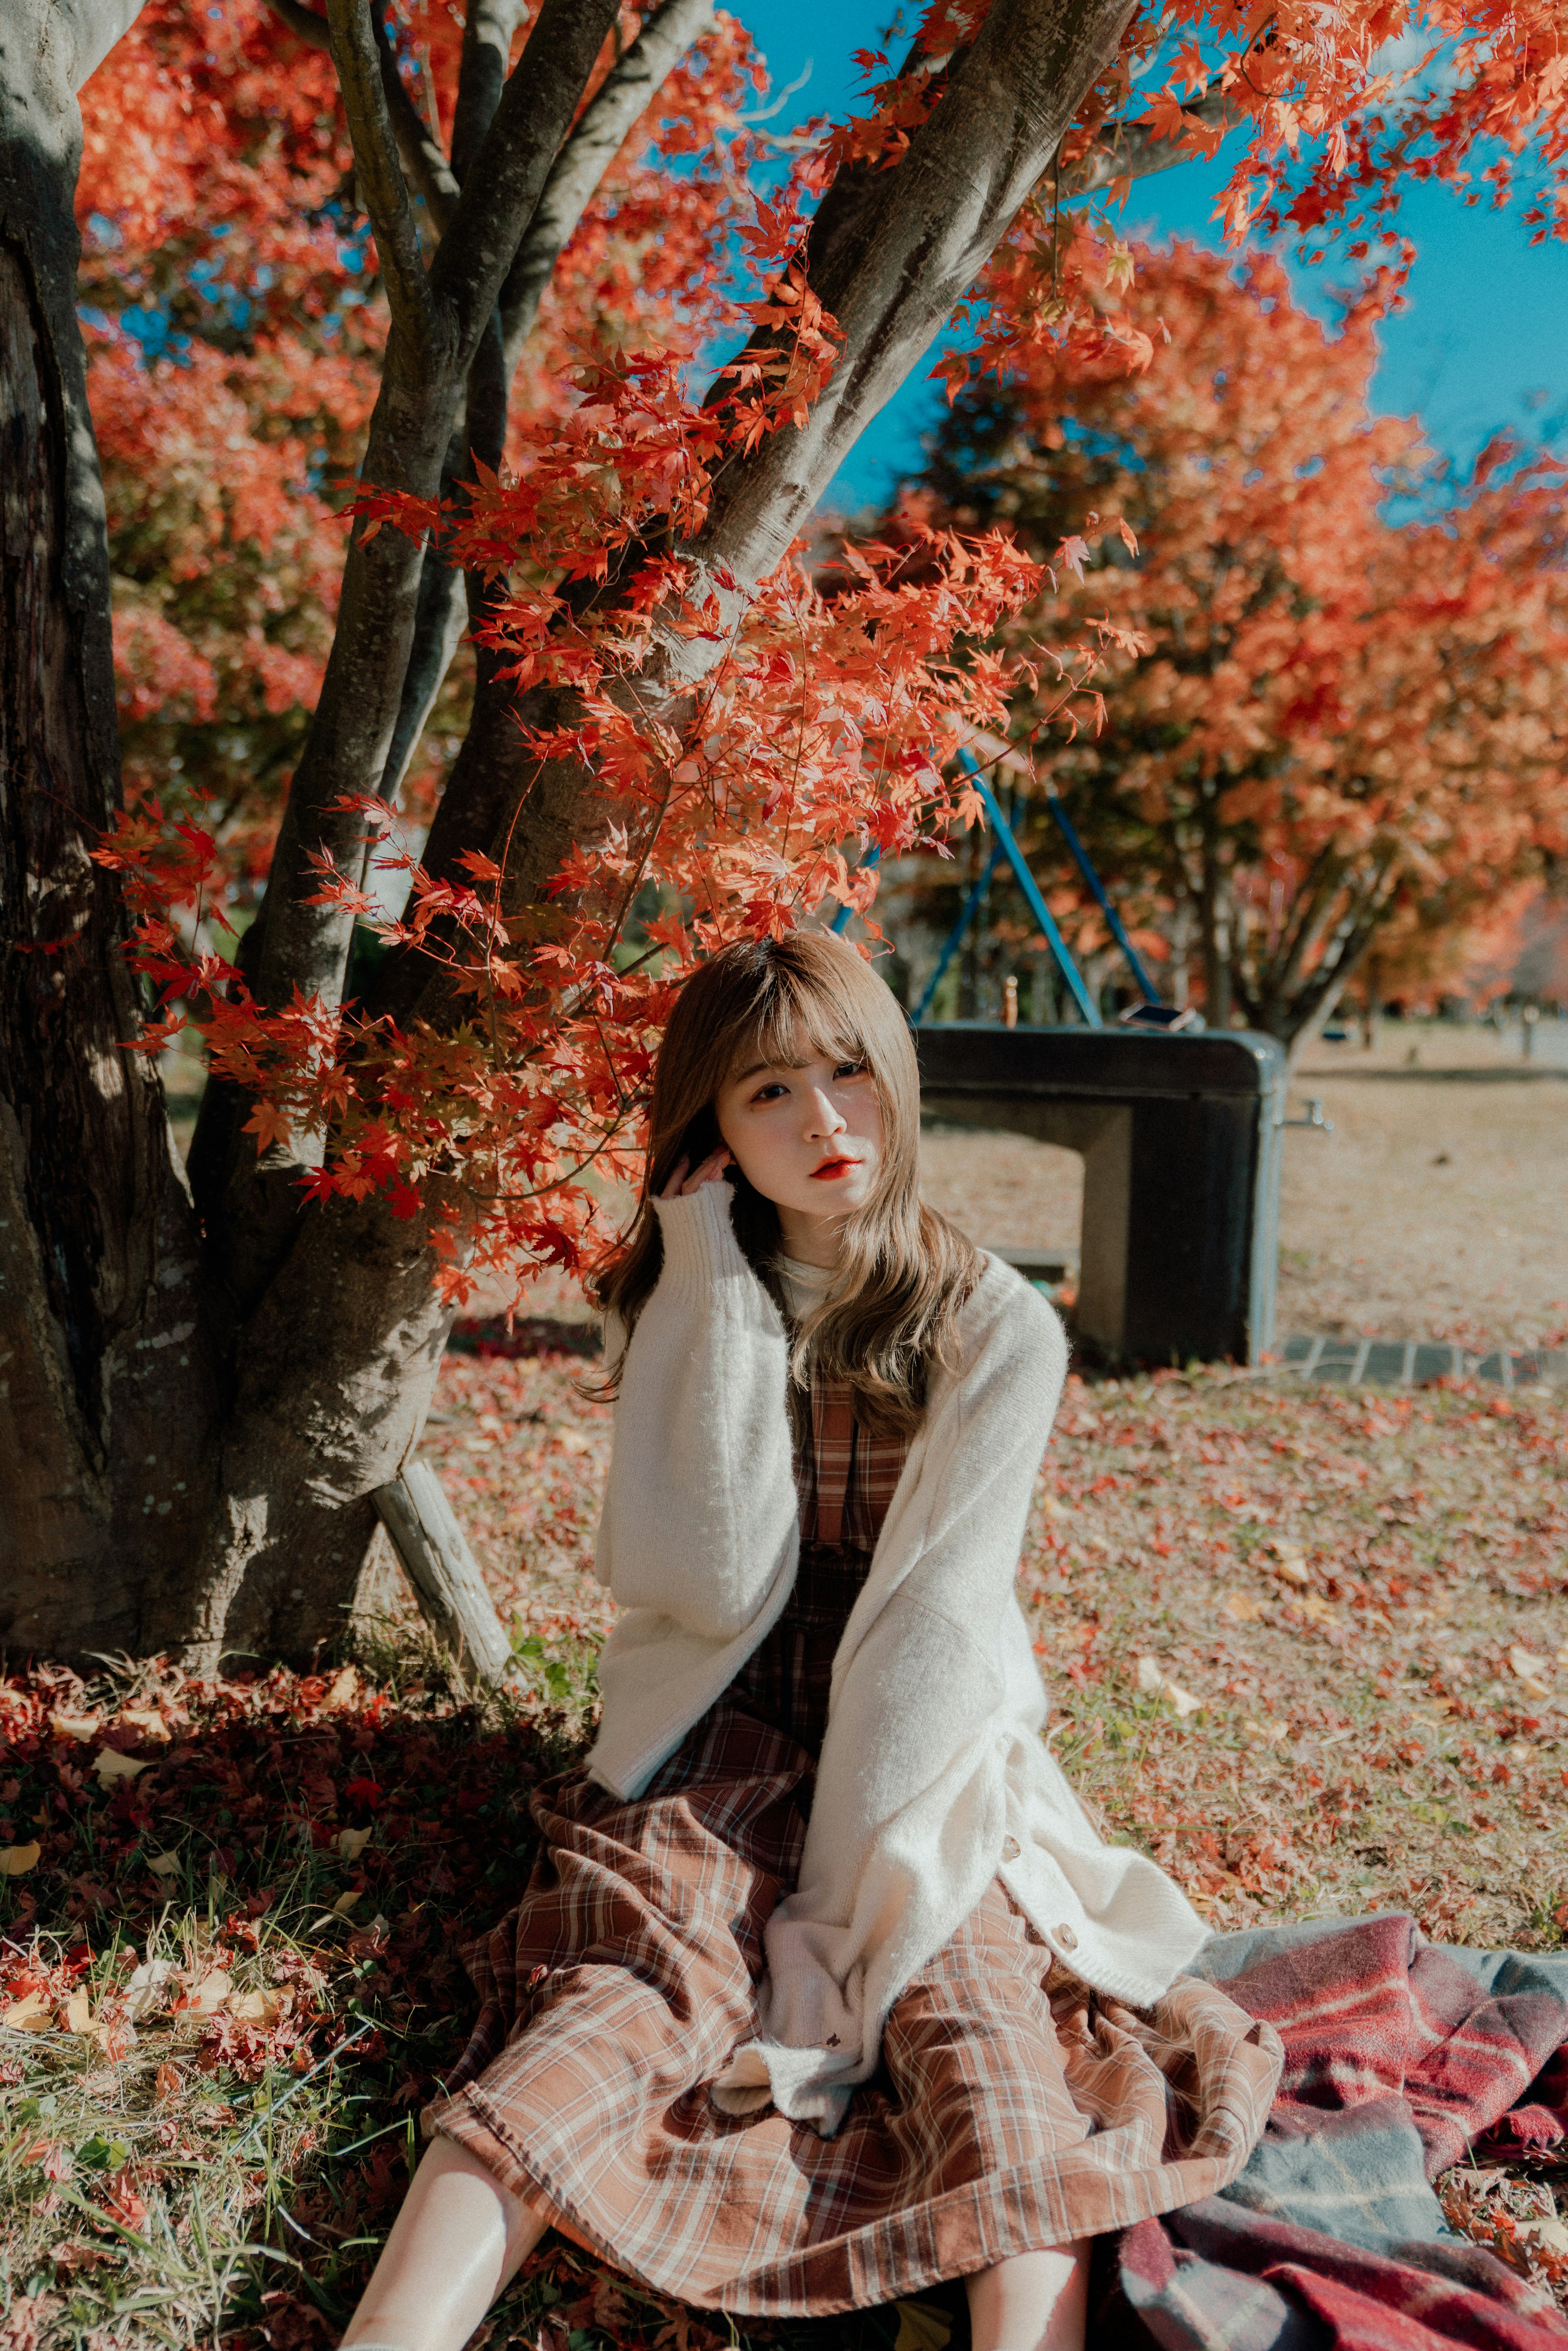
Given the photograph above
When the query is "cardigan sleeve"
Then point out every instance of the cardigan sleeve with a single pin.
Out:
(700, 1514)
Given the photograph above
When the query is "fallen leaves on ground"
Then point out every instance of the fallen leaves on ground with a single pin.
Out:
(1309, 1648)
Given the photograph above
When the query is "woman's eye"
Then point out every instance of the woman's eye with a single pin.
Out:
(770, 1092)
(850, 1069)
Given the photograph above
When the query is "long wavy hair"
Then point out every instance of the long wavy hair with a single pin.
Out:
(890, 1315)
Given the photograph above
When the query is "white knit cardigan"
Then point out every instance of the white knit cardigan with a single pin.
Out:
(933, 1778)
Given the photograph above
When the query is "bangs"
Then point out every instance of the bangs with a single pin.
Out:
(892, 1315)
(794, 1025)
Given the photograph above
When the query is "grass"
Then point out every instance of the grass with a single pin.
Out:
(1309, 1648)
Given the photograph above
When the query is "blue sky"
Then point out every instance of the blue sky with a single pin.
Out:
(1483, 344)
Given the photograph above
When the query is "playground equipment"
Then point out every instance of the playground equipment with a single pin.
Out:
(1179, 1129)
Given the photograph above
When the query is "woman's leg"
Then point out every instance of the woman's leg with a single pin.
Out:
(1035, 2302)
(457, 2240)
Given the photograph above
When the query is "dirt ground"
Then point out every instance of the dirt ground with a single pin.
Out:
(1439, 1207)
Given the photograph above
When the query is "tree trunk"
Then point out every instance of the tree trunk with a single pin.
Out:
(111, 1389)
(1215, 918)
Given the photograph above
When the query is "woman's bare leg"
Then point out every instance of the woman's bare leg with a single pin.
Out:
(458, 2239)
(1035, 2302)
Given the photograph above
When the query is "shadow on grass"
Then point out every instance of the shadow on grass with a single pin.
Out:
(230, 1980)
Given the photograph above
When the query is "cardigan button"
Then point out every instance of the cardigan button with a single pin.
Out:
(1067, 1938)
(1010, 1849)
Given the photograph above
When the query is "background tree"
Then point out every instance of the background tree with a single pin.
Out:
(1323, 727)
(204, 1391)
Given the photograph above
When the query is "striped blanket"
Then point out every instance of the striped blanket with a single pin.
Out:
(1402, 2057)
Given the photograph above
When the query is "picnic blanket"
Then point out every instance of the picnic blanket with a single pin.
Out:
(1402, 2057)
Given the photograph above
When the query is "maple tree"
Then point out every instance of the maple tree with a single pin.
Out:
(672, 733)
(1327, 733)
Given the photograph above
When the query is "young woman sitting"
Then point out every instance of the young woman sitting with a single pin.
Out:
(824, 1988)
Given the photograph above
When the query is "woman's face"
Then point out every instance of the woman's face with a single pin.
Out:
(809, 1138)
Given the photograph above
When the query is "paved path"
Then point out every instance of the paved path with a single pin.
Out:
(1407, 1363)
(1340, 1362)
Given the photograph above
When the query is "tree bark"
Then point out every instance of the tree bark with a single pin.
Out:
(111, 1384)
(439, 318)
(621, 98)
(336, 1366)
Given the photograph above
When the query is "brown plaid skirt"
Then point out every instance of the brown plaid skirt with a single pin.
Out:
(1013, 2109)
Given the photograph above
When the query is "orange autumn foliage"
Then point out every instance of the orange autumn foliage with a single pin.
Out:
(1244, 742)
(1323, 727)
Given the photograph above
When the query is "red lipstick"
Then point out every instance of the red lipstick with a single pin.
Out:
(832, 1168)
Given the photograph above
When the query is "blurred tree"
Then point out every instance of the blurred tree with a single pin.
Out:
(1322, 727)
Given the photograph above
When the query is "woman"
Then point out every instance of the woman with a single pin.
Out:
(824, 1988)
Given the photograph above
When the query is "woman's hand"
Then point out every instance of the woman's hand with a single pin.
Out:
(681, 1184)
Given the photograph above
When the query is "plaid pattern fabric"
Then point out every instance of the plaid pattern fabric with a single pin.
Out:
(1399, 2056)
(1013, 2109)
(844, 1476)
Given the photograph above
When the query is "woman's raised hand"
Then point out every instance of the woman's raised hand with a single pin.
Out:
(682, 1184)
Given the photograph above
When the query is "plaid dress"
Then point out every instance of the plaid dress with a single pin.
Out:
(1013, 2108)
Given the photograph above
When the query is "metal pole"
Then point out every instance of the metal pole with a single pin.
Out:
(1031, 888)
(1151, 993)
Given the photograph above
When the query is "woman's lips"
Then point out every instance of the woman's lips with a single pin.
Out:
(832, 1168)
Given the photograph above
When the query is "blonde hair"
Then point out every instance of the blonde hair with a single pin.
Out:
(890, 1314)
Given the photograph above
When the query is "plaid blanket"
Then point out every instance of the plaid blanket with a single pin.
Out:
(1400, 2055)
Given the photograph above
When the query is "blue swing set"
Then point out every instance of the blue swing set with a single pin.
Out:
(1150, 1014)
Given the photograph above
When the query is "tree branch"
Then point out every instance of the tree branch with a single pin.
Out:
(625, 94)
(377, 169)
(418, 146)
(487, 31)
(425, 166)
(1322, 992)
(503, 184)
(893, 278)
(437, 324)
(438, 623)
(1302, 929)
(1131, 151)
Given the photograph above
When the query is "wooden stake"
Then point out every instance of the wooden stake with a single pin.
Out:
(444, 1571)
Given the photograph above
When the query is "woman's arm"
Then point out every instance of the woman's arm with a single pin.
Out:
(700, 1514)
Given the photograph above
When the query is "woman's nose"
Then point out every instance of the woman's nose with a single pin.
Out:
(826, 1116)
